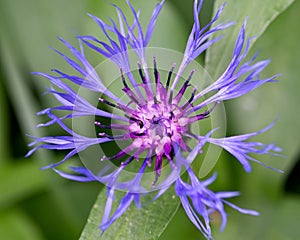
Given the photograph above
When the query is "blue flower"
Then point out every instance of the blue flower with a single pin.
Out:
(157, 119)
(199, 202)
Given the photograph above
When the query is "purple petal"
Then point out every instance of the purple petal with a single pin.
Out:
(124, 204)
(152, 22)
(86, 176)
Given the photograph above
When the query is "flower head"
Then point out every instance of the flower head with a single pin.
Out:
(156, 118)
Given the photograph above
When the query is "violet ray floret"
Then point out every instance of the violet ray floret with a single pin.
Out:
(155, 119)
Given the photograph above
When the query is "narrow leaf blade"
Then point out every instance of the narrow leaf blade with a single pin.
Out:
(259, 13)
(145, 223)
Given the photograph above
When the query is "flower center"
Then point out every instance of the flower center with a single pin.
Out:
(158, 120)
(157, 125)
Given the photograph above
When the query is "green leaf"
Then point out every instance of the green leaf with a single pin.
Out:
(28, 29)
(4, 153)
(35, 29)
(262, 189)
(145, 223)
(14, 225)
(18, 181)
(181, 228)
(280, 228)
(259, 13)
(273, 100)
(278, 221)
(25, 108)
(185, 9)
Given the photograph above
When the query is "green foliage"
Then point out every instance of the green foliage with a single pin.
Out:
(15, 183)
(38, 205)
(14, 224)
(146, 223)
(263, 188)
(259, 14)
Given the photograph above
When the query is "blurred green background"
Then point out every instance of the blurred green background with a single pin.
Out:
(37, 205)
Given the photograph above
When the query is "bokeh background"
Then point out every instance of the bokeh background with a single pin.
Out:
(38, 205)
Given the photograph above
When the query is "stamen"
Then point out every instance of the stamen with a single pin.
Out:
(123, 78)
(119, 106)
(149, 162)
(157, 169)
(145, 86)
(189, 102)
(112, 126)
(169, 76)
(132, 119)
(173, 165)
(129, 160)
(102, 126)
(128, 91)
(183, 88)
(161, 92)
(102, 134)
(117, 137)
(156, 74)
(170, 97)
(203, 115)
(139, 134)
(122, 152)
(141, 73)
(137, 153)
(108, 103)
(199, 117)
(119, 126)
(117, 156)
